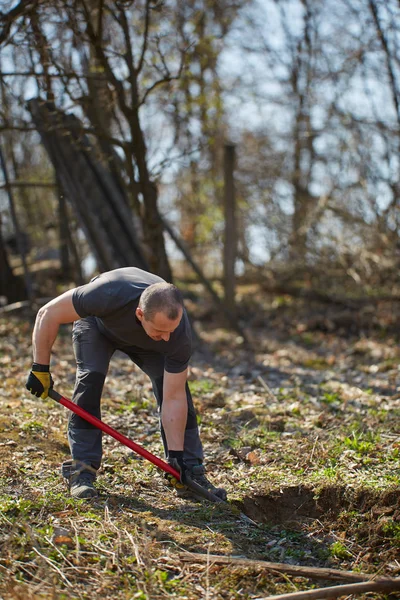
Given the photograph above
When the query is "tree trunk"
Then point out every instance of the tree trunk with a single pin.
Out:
(64, 233)
(152, 223)
(11, 287)
(21, 249)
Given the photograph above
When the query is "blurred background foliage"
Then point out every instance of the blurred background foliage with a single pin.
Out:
(307, 92)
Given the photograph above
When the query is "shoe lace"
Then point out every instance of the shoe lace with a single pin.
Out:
(198, 475)
(84, 478)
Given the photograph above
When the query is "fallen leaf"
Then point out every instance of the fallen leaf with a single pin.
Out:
(63, 539)
(253, 458)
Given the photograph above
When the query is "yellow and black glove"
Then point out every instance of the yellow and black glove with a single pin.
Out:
(39, 381)
(175, 459)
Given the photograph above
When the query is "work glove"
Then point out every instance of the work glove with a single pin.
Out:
(175, 459)
(39, 381)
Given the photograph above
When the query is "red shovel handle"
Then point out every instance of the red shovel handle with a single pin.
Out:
(81, 412)
(115, 434)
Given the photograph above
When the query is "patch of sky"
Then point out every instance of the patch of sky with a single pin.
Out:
(283, 195)
(384, 195)
(362, 95)
(331, 229)
(159, 136)
(319, 115)
(321, 181)
(261, 241)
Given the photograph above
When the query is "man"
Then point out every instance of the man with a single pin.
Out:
(141, 315)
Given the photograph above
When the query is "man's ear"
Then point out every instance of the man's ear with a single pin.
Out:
(139, 313)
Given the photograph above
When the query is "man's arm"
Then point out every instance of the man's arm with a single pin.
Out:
(48, 320)
(174, 409)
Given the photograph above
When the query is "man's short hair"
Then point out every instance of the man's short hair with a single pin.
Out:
(161, 297)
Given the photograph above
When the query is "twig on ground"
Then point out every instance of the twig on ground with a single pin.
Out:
(77, 543)
(267, 388)
(387, 585)
(135, 548)
(53, 566)
(48, 540)
(313, 450)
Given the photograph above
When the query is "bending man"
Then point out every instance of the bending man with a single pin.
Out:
(141, 315)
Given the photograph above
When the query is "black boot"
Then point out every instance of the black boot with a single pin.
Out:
(198, 475)
(80, 478)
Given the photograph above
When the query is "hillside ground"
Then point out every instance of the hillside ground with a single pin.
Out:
(302, 430)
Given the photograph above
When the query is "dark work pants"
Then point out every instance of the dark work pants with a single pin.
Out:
(93, 352)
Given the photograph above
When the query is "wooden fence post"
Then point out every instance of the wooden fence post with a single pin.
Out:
(230, 238)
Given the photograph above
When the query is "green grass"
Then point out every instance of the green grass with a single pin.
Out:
(33, 426)
(392, 530)
(362, 443)
(201, 386)
(339, 550)
(331, 398)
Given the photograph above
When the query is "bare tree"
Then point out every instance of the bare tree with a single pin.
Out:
(112, 104)
(315, 117)
(322, 73)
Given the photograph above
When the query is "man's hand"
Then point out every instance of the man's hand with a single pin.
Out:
(175, 459)
(39, 381)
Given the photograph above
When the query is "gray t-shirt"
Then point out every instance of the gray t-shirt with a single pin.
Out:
(113, 298)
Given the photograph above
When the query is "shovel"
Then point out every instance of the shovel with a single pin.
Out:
(197, 489)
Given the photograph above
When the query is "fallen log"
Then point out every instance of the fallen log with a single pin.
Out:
(299, 571)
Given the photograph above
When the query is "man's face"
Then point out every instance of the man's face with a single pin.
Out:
(160, 327)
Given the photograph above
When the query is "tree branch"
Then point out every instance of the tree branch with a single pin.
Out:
(68, 75)
(7, 19)
(157, 84)
(145, 37)
(385, 45)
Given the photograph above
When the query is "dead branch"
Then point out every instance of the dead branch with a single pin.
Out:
(300, 571)
(388, 585)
